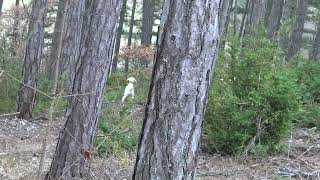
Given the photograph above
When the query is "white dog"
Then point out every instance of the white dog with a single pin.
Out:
(129, 90)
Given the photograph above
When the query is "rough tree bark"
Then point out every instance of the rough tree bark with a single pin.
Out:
(55, 40)
(119, 33)
(147, 21)
(32, 59)
(296, 35)
(73, 151)
(274, 18)
(134, 3)
(147, 24)
(71, 47)
(186, 51)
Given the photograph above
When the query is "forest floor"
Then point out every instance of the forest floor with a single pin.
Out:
(21, 147)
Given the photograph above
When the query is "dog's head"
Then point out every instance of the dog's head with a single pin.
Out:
(131, 80)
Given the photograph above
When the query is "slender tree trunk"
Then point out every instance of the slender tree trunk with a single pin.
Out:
(1, 3)
(57, 33)
(74, 147)
(58, 51)
(256, 15)
(296, 35)
(32, 59)
(186, 52)
(235, 13)
(15, 37)
(244, 17)
(285, 21)
(119, 33)
(147, 24)
(71, 47)
(134, 3)
(315, 51)
(224, 14)
(274, 18)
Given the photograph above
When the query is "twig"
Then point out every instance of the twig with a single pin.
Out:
(9, 114)
(305, 152)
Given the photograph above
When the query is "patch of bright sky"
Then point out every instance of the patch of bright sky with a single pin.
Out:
(8, 3)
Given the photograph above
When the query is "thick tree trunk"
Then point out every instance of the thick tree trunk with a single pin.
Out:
(32, 59)
(119, 33)
(274, 18)
(296, 35)
(134, 3)
(186, 51)
(315, 51)
(71, 47)
(74, 147)
(55, 40)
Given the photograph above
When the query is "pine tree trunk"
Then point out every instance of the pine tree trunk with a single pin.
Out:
(134, 3)
(224, 14)
(32, 59)
(296, 35)
(71, 46)
(274, 18)
(147, 24)
(73, 151)
(55, 40)
(186, 52)
(59, 49)
(119, 33)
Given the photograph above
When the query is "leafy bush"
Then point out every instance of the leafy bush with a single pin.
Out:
(309, 81)
(253, 101)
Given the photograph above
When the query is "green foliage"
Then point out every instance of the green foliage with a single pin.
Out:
(252, 96)
(8, 86)
(119, 122)
(309, 80)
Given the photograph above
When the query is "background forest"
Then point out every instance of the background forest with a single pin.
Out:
(265, 88)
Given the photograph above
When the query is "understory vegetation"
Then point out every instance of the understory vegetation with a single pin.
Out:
(255, 100)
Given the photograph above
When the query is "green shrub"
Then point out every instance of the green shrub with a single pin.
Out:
(252, 97)
(309, 81)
